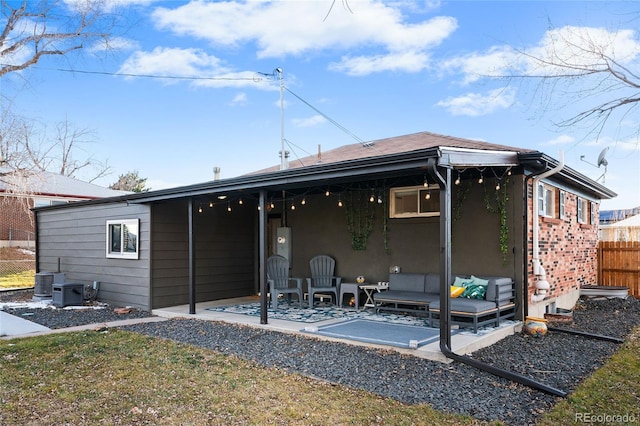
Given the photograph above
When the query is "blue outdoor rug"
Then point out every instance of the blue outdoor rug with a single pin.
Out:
(379, 332)
(320, 312)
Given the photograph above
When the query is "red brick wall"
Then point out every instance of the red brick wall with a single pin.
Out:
(568, 249)
(15, 214)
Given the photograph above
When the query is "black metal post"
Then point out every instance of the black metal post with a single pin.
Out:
(192, 262)
(262, 225)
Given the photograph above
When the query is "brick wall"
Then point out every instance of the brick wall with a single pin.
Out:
(15, 215)
(568, 249)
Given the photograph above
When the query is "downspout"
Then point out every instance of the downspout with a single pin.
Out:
(445, 302)
(542, 285)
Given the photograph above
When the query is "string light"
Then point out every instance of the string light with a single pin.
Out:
(379, 199)
(304, 201)
(228, 207)
(457, 181)
(372, 198)
(327, 193)
(210, 203)
(240, 201)
(425, 184)
(339, 202)
(199, 209)
(481, 178)
(498, 186)
(293, 206)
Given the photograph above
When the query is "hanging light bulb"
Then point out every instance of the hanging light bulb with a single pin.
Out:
(379, 199)
(498, 186)
(372, 198)
(240, 201)
(200, 209)
(457, 181)
(228, 207)
(339, 202)
(428, 195)
(509, 172)
(304, 201)
(259, 207)
(273, 206)
(327, 193)
(425, 183)
(481, 178)
(293, 206)
(210, 203)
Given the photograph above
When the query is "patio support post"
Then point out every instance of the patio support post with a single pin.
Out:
(192, 262)
(445, 281)
(262, 225)
(445, 250)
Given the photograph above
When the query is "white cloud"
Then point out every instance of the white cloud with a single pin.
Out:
(477, 104)
(558, 51)
(300, 28)
(309, 121)
(364, 65)
(239, 99)
(561, 140)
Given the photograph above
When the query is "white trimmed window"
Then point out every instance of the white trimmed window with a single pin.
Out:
(546, 200)
(561, 201)
(122, 238)
(414, 201)
(583, 210)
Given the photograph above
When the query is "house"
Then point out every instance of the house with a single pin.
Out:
(21, 191)
(622, 230)
(421, 202)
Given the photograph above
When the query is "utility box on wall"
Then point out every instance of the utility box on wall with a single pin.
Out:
(283, 243)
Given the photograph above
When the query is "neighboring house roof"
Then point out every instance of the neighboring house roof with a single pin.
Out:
(630, 222)
(52, 184)
(610, 216)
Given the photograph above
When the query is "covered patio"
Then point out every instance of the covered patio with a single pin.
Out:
(464, 341)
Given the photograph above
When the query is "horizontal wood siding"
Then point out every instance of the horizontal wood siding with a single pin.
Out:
(77, 238)
(224, 253)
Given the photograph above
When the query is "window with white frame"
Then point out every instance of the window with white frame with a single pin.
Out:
(583, 210)
(414, 201)
(561, 204)
(122, 238)
(546, 200)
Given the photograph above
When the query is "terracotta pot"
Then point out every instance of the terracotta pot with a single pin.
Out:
(535, 327)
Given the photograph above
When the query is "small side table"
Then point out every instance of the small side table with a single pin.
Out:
(349, 288)
(369, 289)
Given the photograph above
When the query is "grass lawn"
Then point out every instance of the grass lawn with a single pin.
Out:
(118, 377)
(17, 280)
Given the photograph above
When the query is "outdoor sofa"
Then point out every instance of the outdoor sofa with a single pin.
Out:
(420, 294)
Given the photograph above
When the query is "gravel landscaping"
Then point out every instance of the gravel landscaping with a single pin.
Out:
(558, 359)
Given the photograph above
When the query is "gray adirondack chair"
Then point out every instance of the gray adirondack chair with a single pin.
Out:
(279, 281)
(322, 280)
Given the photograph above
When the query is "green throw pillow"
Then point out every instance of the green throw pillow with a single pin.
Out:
(461, 282)
(479, 281)
(474, 291)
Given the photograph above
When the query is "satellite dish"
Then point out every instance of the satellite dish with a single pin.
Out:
(602, 161)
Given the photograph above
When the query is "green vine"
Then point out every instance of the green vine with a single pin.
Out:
(385, 222)
(461, 195)
(501, 198)
(360, 215)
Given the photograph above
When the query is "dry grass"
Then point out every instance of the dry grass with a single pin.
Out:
(117, 377)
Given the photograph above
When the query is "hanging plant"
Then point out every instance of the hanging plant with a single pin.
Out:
(501, 198)
(360, 215)
(460, 197)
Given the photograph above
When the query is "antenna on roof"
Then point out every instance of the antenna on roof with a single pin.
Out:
(602, 161)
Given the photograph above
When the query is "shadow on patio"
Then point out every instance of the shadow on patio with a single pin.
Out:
(326, 321)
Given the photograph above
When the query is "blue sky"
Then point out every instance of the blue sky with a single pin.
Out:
(379, 69)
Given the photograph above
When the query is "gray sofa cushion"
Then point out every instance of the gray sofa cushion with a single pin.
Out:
(407, 282)
(399, 296)
(466, 305)
(432, 283)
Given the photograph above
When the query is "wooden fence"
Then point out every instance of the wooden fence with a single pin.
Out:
(619, 265)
